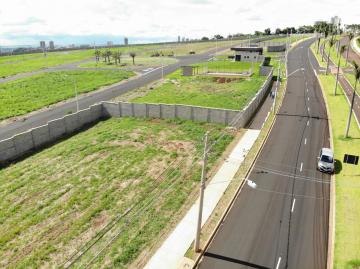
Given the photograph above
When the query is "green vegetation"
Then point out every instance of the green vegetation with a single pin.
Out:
(26, 63)
(126, 61)
(205, 90)
(292, 38)
(333, 53)
(12, 65)
(22, 96)
(57, 200)
(347, 239)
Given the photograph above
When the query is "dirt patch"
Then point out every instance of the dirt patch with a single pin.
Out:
(126, 143)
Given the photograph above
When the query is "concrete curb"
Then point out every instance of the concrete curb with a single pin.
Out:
(331, 238)
(354, 45)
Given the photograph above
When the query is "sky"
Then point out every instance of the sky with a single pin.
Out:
(25, 22)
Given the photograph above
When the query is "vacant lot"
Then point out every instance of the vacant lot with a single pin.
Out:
(61, 199)
(28, 94)
(209, 91)
(127, 61)
(347, 239)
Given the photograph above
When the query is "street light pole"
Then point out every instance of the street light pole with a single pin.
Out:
(351, 109)
(201, 199)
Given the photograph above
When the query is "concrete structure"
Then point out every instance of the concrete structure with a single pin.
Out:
(42, 44)
(189, 70)
(109, 43)
(24, 143)
(247, 54)
(126, 41)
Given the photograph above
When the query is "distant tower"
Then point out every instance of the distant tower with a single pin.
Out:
(110, 43)
(42, 44)
(51, 45)
(126, 41)
(179, 39)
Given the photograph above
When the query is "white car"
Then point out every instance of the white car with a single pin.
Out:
(326, 161)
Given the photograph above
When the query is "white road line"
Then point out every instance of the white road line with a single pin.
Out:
(308, 98)
(144, 74)
(278, 263)
(307, 90)
(308, 122)
(305, 141)
(293, 205)
(301, 166)
(309, 109)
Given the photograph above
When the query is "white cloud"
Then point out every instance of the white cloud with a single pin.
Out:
(159, 18)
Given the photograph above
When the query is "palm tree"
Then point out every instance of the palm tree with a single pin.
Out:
(108, 54)
(357, 78)
(103, 54)
(133, 55)
(342, 50)
(97, 55)
(326, 33)
(351, 36)
(331, 43)
(318, 45)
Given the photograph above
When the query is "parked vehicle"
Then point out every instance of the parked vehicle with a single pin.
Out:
(326, 162)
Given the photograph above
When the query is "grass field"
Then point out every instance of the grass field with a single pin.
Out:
(32, 93)
(11, 65)
(128, 62)
(27, 63)
(293, 38)
(347, 229)
(205, 90)
(58, 200)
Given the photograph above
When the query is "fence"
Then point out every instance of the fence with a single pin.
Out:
(36, 138)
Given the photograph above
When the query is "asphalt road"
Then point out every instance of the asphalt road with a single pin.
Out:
(41, 118)
(283, 223)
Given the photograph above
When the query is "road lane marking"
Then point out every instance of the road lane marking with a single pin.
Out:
(301, 166)
(278, 263)
(293, 205)
(307, 90)
(308, 98)
(305, 141)
(308, 122)
(308, 109)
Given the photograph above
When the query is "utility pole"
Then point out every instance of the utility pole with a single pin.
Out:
(201, 199)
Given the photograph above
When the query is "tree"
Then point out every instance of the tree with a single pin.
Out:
(133, 55)
(257, 33)
(108, 54)
(218, 36)
(351, 36)
(357, 78)
(103, 54)
(267, 31)
(331, 44)
(342, 50)
(97, 55)
(117, 57)
(278, 31)
(205, 38)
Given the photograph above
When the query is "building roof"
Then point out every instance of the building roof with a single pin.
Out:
(248, 49)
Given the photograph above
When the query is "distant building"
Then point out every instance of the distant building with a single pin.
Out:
(51, 45)
(248, 54)
(183, 39)
(110, 43)
(335, 20)
(179, 39)
(42, 44)
(126, 41)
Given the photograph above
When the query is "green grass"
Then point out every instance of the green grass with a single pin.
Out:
(347, 238)
(314, 49)
(293, 38)
(22, 96)
(127, 62)
(358, 42)
(55, 201)
(32, 62)
(228, 66)
(12, 65)
(205, 90)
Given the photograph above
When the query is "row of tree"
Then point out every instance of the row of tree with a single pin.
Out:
(109, 55)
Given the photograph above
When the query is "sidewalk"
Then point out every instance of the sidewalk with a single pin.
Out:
(172, 251)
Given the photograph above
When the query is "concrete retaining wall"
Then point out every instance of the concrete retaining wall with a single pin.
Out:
(23, 143)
